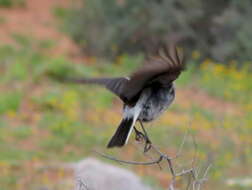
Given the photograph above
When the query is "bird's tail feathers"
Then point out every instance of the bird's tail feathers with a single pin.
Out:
(125, 128)
(122, 133)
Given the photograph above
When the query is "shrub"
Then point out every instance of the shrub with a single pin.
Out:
(5, 3)
(220, 29)
(10, 102)
(10, 3)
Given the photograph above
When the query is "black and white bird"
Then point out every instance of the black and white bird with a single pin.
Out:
(146, 93)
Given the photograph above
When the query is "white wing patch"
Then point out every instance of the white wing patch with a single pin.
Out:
(135, 111)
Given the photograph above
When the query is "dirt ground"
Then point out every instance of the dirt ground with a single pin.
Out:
(36, 19)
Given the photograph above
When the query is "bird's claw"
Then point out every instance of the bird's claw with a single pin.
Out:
(139, 135)
(147, 145)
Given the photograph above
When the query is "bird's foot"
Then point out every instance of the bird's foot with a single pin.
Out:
(147, 145)
(140, 137)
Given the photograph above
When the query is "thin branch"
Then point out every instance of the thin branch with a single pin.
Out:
(194, 181)
(131, 162)
(181, 145)
(81, 185)
(184, 172)
(149, 156)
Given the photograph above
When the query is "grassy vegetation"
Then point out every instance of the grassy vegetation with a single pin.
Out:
(11, 3)
(45, 121)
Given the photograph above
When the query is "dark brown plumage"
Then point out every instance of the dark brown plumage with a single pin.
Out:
(162, 68)
(146, 93)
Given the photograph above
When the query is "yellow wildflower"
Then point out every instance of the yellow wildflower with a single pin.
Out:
(195, 54)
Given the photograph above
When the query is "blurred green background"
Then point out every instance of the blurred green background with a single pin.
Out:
(44, 122)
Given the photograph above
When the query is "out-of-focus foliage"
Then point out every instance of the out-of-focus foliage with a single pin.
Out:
(43, 120)
(221, 29)
(229, 82)
(10, 3)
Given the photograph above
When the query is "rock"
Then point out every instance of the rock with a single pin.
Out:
(92, 174)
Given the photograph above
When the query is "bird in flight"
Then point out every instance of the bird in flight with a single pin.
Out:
(146, 93)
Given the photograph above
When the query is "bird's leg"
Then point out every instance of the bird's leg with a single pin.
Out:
(139, 135)
(147, 145)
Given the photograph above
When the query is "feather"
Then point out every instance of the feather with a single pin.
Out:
(165, 67)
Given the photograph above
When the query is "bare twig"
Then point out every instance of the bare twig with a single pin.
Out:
(131, 162)
(194, 180)
(149, 156)
(81, 185)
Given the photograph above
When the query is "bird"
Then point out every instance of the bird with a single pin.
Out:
(146, 93)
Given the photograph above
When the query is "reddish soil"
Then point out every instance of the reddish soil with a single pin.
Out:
(204, 100)
(36, 19)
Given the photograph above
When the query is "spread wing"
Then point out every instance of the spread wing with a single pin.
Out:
(115, 85)
(167, 65)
